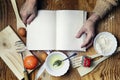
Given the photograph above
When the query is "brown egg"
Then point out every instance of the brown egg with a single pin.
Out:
(43, 56)
(22, 32)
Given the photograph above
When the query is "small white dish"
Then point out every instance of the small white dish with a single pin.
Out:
(57, 70)
(105, 44)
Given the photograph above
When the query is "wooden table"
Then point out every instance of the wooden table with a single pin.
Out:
(107, 70)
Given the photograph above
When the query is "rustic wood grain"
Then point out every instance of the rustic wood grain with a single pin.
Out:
(107, 70)
(10, 55)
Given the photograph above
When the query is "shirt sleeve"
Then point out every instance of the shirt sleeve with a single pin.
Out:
(103, 6)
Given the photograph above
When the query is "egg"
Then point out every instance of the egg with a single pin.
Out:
(22, 32)
(43, 56)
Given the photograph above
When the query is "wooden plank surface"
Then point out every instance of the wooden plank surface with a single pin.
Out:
(107, 70)
(9, 54)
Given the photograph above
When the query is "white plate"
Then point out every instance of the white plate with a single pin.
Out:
(54, 70)
(106, 39)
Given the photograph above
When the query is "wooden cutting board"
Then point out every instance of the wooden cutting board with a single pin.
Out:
(9, 54)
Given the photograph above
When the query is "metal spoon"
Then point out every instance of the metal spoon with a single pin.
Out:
(59, 62)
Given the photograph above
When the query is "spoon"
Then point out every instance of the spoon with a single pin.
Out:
(21, 27)
(59, 62)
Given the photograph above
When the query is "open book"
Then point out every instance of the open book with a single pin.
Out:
(56, 30)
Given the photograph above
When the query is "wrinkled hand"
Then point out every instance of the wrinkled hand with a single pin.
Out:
(28, 11)
(88, 28)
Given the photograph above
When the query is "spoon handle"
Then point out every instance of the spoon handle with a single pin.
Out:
(74, 54)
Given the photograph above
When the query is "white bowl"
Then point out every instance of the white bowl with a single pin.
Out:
(57, 70)
(105, 39)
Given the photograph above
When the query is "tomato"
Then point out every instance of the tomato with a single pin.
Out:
(30, 62)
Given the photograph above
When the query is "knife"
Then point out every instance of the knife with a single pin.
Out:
(42, 68)
(40, 71)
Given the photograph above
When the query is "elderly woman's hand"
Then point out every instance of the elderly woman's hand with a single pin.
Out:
(28, 11)
(88, 29)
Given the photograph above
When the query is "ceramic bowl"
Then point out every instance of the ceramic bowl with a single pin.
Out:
(105, 39)
(57, 70)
